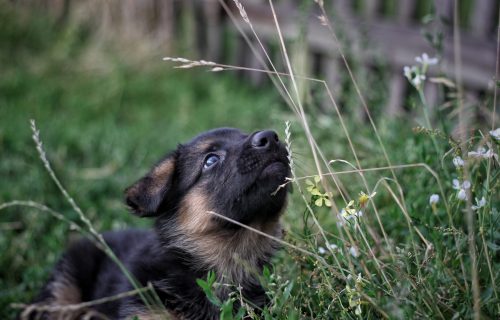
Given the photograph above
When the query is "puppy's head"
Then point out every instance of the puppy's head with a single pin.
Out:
(222, 170)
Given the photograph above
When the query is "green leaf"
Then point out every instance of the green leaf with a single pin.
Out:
(293, 315)
(227, 310)
(428, 18)
(207, 287)
(211, 277)
(328, 203)
(288, 290)
(203, 284)
(213, 299)
(240, 314)
(266, 273)
(315, 192)
(319, 202)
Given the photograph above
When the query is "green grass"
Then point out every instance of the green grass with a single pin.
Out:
(103, 124)
(106, 116)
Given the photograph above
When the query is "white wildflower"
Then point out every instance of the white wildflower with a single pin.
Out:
(466, 184)
(481, 153)
(479, 204)
(407, 71)
(358, 311)
(458, 162)
(490, 154)
(333, 246)
(410, 71)
(418, 80)
(340, 219)
(354, 251)
(425, 60)
(461, 187)
(477, 154)
(321, 250)
(495, 134)
(359, 279)
(462, 195)
(319, 2)
(457, 185)
(434, 199)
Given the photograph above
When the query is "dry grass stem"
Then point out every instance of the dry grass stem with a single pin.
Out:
(79, 306)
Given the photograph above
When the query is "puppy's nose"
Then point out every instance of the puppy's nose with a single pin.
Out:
(265, 139)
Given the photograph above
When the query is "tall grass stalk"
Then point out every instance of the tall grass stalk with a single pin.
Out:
(425, 108)
(463, 136)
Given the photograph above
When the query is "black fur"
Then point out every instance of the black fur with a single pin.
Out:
(178, 192)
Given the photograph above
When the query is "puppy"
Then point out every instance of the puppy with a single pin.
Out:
(223, 170)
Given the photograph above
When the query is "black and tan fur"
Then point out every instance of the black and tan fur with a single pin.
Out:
(223, 171)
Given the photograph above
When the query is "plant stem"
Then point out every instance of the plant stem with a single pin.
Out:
(425, 108)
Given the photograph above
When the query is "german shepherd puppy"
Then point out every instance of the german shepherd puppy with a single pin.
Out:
(223, 171)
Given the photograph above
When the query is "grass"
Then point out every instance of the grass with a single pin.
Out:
(103, 125)
(104, 119)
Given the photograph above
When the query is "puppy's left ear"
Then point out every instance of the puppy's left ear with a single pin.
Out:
(146, 195)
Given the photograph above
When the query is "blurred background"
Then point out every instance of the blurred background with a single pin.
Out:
(92, 76)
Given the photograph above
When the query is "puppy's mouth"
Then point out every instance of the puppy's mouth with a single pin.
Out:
(275, 169)
(264, 169)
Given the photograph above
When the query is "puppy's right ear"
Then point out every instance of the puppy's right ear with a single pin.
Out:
(146, 195)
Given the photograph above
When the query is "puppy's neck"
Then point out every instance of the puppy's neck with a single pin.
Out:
(235, 254)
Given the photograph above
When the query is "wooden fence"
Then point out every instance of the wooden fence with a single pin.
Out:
(397, 39)
(370, 32)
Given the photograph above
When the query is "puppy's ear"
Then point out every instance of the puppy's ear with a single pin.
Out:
(146, 195)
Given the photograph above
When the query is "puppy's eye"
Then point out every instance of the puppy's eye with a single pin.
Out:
(210, 161)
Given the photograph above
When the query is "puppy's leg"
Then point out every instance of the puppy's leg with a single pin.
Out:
(70, 283)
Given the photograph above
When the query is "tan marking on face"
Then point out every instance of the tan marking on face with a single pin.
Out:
(203, 146)
(193, 216)
(161, 175)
